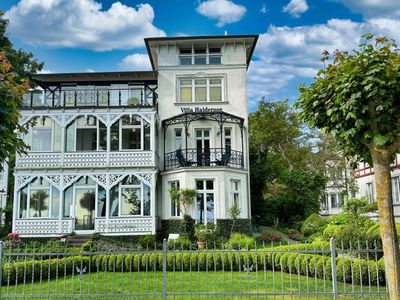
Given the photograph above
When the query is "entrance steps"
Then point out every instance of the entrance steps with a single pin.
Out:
(79, 239)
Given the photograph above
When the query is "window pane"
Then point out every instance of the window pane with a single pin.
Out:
(201, 94)
(86, 139)
(210, 184)
(57, 137)
(199, 184)
(186, 82)
(41, 139)
(85, 206)
(131, 120)
(146, 200)
(210, 207)
(200, 208)
(146, 135)
(185, 51)
(186, 94)
(200, 81)
(200, 60)
(55, 202)
(215, 94)
(39, 203)
(185, 60)
(200, 50)
(130, 201)
(114, 136)
(114, 201)
(67, 202)
(214, 60)
(131, 138)
(70, 135)
(101, 201)
(23, 200)
(214, 50)
(102, 136)
(215, 81)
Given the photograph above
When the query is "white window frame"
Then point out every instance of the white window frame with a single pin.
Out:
(205, 191)
(236, 192)
(230, 136)
(45, 128)
(97, 127)
(370, 191)
(193, 55)
(120, 127)
(208, 86)
(175, 137)
(127, 186)
(177, 213)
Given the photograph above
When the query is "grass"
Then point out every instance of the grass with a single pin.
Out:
(213, 285)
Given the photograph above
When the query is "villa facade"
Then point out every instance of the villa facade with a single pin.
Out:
(106, 148)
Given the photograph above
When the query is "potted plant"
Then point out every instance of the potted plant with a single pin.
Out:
(204, 234)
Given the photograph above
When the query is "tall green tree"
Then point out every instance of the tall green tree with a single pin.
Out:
(356, 99)
(17, 66)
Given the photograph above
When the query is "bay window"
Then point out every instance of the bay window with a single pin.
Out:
(205, 201)
(200, 90)
(175, 209)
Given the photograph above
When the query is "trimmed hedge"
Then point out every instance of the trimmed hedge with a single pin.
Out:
(224, 227)
(355, 271)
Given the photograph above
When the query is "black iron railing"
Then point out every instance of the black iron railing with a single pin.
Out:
(94, 97)
(193, 157)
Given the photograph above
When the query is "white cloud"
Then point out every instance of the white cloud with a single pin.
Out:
(374, 8)
(136, 62)
(81, 24)
(296, 7)
(263, 9)
(287, 56)
(225, 11)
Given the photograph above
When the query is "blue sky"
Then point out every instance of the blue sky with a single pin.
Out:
(107, 35)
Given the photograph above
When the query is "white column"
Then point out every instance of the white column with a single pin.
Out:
(16, 203)
(153, 202)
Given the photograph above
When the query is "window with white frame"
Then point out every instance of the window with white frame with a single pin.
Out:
(228, 138)
(200, 90)
(39, 200)
(130, 132)
(200, 56)
(396, 189)
(370, 192)
(44, 135)
(205, 201)
(86, 133)
(178, 138)
(235, 189)
(336, 200)
(175, 209)
(131, 197)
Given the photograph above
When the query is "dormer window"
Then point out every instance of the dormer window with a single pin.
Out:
(200, 56)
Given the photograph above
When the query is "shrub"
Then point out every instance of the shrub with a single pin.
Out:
(312, 224)
(88, 246)
(294, 234)
(332, 231)
(240, 241)
(147, 241)
(181, 243)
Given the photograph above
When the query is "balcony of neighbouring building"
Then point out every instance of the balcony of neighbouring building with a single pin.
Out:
(83, 90)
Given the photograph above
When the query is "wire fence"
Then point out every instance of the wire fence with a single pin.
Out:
(183, 271)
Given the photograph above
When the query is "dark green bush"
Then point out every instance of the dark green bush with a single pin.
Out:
(312, 224)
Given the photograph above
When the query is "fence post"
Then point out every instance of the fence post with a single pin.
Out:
(333, 266)
(164, 270)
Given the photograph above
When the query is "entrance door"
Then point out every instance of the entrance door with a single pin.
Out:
(85, 199)
(203, 147)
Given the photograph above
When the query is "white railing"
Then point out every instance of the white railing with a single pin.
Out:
(86, 159)
(124, 225)
(37, 227)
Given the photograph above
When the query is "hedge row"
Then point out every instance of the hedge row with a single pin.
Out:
(355, 271)
(317, 247)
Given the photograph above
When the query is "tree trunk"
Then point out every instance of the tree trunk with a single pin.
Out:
(381, 163)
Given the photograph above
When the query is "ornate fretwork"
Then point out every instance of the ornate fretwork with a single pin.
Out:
(147, 117)
(128, 225)
(100, 179)
(114, 179)
(55, 180)
(69, 179)
(146, 178)
(22, 180)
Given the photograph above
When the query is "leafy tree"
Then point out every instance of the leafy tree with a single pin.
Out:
(184, 198)
(356, 100)
(16, 67)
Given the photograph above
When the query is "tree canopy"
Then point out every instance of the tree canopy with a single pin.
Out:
(356, 99)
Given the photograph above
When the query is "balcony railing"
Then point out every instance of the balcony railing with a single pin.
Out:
(212, 157)
(93, 97)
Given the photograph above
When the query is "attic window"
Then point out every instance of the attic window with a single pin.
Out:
(200, 56)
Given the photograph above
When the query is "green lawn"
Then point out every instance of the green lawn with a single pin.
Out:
(212, 285)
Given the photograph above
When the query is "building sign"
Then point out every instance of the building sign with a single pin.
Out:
(200, 109)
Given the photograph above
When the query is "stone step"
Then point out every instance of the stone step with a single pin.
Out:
(79, 239)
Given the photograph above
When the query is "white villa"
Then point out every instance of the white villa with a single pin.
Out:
(106, 148)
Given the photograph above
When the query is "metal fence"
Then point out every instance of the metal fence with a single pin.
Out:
(183, 271)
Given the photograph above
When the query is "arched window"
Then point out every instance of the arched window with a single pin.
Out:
(43, 135)
(130, 132)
